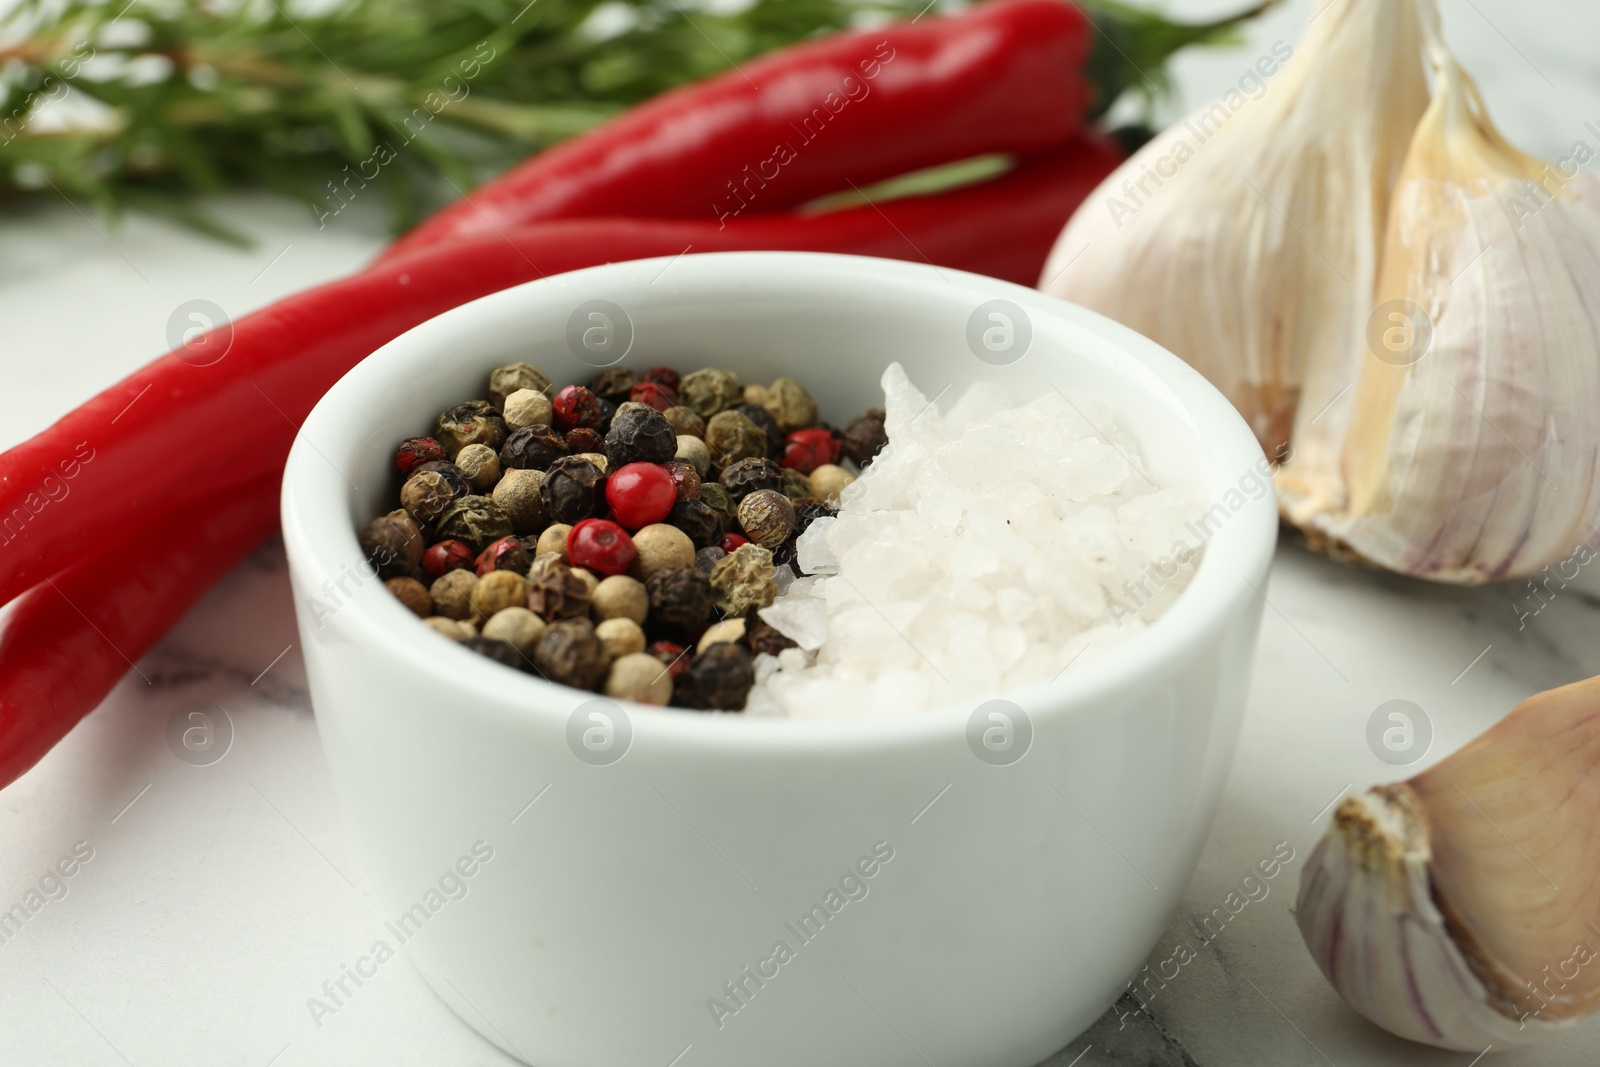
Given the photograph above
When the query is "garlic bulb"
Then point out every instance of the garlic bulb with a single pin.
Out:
(1462, 908)
(1472, 450)
(1245, 237)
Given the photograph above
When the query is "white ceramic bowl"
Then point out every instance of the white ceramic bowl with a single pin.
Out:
(622, 902)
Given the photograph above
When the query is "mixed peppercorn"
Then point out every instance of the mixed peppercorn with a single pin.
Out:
(618, 536)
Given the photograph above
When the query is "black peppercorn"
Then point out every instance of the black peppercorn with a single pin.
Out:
(808, 511)
(787, 555)
(865, 437)
(608, 411)
(573, 490)
(532, 448)
(639, 434)
(721, 677)
(393, 544)
(701, 521)
(476, 520)
(764, 419)
(706, 559)
(613, 384)
(744, 477)
(555, 592)
(501, 652)
(568, 652)
(762, 638)
(475, 422)
(680, 602)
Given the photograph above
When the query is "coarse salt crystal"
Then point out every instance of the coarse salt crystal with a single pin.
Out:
(987, 548)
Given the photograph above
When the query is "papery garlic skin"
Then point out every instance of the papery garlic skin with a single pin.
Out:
(1367, 912)
(1244, 239)
(1480, 460)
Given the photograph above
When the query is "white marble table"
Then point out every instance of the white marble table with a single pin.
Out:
(219, 899)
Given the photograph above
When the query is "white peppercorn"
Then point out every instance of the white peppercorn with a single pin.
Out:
(728, 630)
(517, 627)
(827, 481)
(639, 677)
(480, 464)
(451, 593)
(497, 591)
(693, 451)
(620, 597)
(620, 637)
(517, 493)
(660, 546)
(553, 541)
(527, 407)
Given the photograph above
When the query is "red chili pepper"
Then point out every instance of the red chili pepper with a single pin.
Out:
(1006, 76)
(174, 432)
(69, 641)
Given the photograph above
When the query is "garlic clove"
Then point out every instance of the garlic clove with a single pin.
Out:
(1473, 454)
(1462, 908)
(1245, 238)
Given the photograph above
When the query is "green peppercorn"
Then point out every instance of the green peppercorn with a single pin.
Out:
(532, 448)
(731, 437)
(743, 579)
(472, 423)
(710, 390)
(569, 653)
(555, 591)
(717, 495)
(573, 490)
(721, 677)
(701, 521)
(503, 381)
(393, 544)
(767, 517)
(865, 437)
(796, 486)
(639, 434)
(685, 423)
(744, 477)
(517, 493)
(480, 465)
(680, 601)
(475, 520)
(791, 405)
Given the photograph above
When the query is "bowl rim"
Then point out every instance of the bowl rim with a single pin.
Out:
(1234, 565)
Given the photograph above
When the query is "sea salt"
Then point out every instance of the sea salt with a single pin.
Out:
(987, 548)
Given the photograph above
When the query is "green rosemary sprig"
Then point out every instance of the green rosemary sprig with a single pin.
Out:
(146, 104)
